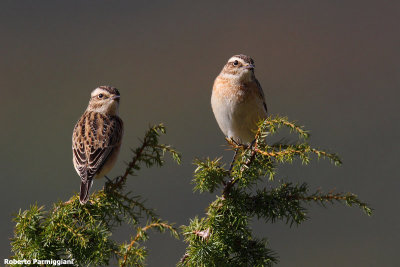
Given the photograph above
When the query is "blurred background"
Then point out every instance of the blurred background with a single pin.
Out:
(333, 66)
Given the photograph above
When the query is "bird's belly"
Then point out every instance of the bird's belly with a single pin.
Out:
(238, 119)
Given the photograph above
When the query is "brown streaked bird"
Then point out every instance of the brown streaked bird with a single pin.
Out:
(97, 137)
(238, 100)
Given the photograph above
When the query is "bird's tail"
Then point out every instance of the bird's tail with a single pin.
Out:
(85, 187)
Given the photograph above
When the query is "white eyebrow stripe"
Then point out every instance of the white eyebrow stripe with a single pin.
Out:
(236, 58)
(97, 91)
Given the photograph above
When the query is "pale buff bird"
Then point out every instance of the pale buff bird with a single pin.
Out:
(96, 138)
(238, 100)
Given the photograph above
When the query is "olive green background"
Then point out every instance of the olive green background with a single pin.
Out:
(333, 66)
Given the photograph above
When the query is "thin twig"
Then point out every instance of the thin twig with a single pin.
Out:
(131, 165)
(228, 186)
(233, 160)
(184, 257)
(138, 235)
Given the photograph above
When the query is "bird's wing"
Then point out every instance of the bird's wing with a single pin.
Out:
(261, 92)
(91, 148)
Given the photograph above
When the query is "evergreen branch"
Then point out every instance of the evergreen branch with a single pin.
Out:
(208, 175)
(301, 150)
(161, 226)
(349, 199)
(176, 156)
(253, 147)
(133, 163)
(284, 152)
(133, 203)
(285, 202)
(279, 203)
(150, 152)
(229, 185)
(83, 232)
(223, 236)
(272, 124)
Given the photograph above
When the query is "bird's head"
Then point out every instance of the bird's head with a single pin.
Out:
(239, 67)
(104, 99)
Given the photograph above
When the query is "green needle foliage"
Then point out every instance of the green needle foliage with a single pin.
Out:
(70, 230)
(224, 237)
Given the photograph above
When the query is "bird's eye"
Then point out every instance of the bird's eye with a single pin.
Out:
(101, 95)
(235, 63)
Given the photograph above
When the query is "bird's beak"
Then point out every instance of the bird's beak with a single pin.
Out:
(115, 97)
(249, 67)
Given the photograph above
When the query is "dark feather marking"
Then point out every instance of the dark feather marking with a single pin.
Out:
(261, 92)
(110, 89)
(84, 191)
(245, 58)
(103, 132)
(94, 124)
(83, 128)
(90, 161)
